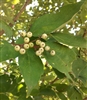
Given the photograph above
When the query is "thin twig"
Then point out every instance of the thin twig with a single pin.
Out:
(54, 80)
(22, 9)
(17, 16)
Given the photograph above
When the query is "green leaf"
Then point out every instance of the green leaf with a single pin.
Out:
(7, 52)
(3, 97)
(22, 97)
(84, 89)
(7, 29)
(32, 68)
(47, 91)
(58, 73)
(49, 22)
(62, 59)
(70, 39)
(61, 87)
(79, 68)
(20, 40)
(74, 94)
(62, 96)
(4, 83)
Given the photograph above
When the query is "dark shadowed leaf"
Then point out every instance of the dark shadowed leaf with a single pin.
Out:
(4, 83)
(61, 87)
(58, 73)
(62, 96)
(47, 92)
(84, 89)
(3, 97)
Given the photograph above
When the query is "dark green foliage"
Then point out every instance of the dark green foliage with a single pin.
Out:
(45, 77)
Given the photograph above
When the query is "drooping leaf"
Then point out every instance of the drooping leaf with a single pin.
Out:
(71, 40)
(79, 68)
(74, 94)
(7, 29)
(62, 59)
(7, 52)
(49, 22)
(32, 68)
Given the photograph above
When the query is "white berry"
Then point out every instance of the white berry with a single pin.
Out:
(31, 44)
(23, 34)
(47, 48)
(26, 39)
(38, 42)
(41, 50)
(26, 46)
(52, 52)
(44, 36)
(17, 47)
(42, 44)
(22, 51)
(38, 53)
(29, 34)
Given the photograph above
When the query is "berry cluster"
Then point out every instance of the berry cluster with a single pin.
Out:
(39, 45)
(42, 47)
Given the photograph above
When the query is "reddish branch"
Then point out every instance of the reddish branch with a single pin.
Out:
(18, 15)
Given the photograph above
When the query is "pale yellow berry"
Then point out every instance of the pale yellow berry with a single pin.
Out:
(31, 44)
(44, 36)
(38, 53)
(42, 44)
(26, 39)
(29, 34)
(41, 50)
(23, 34)
(38, 42)
(52, 52)
(22, 51)
(26, 46)
(17, 47)
(47, 48)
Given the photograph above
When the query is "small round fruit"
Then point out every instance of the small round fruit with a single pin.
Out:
(38, 53)
(26, 39)
(23, 34)
(17, 47)
(42, 44)
(26, 46)
(44, 36)
(31, 44)
(41, 50)
(47, 48)
(22, 51)
(38, 42)
(52, 52)
(29, 34)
